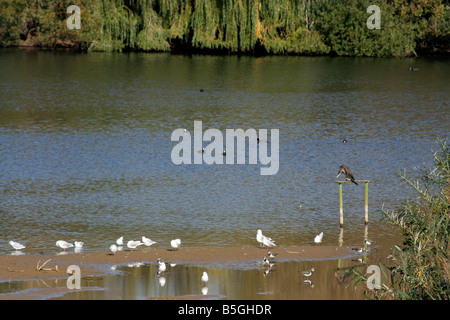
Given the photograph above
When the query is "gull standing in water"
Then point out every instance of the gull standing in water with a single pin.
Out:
(348, 174)
(147, 241)
(318, 238)
(161, 266)
(63, 244)
(16, 245)
(205, 278)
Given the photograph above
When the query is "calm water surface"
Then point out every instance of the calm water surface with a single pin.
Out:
(85, 146)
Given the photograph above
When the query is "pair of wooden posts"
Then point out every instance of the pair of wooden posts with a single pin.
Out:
(366, 206)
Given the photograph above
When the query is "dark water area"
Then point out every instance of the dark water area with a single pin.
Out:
(85, 146)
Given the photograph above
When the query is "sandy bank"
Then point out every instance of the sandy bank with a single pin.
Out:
(23, 267)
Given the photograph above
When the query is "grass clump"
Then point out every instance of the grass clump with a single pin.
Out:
(422, 271)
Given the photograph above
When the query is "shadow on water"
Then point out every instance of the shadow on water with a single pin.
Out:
(254, 280)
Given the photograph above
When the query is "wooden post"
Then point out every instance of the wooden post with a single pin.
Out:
(341, 207)
(366, 204)
(366, 199)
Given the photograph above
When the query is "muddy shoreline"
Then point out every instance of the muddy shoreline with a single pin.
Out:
(25, 267)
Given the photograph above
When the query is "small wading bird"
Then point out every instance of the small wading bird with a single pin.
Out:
(348, 174)
(308, 273)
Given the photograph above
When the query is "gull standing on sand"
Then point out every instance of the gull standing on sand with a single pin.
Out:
(262, 239)
(63, 244)
(16, 245)
(175, 243)
(318, 238)
(113, 249)
(119, 241)
(133, 244)
(147, 241)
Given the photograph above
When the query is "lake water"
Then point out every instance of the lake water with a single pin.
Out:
(85, 146)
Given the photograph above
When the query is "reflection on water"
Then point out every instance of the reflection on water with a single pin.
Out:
(249, 281)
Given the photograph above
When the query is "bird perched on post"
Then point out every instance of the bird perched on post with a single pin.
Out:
(348, 174)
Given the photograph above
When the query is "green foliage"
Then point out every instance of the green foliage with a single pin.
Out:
(346, 33)
(233, 26)
(423, 268)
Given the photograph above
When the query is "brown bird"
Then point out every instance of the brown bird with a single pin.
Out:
(348, 174)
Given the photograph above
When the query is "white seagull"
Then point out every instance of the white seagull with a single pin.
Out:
(175, 243)
(119, 241)
(133, 244)
(113, 249)
(17, 245)
(259, 236)
(147, 241)
(63, 244)
(79, 244)
(318, 238)
(262, 239)
(161, 266)
(205, 277)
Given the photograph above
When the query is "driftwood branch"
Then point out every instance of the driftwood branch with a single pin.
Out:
(39, 268)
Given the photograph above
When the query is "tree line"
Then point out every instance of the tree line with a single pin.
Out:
(255, 27)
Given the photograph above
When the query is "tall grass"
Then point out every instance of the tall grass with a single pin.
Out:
(422, 271)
